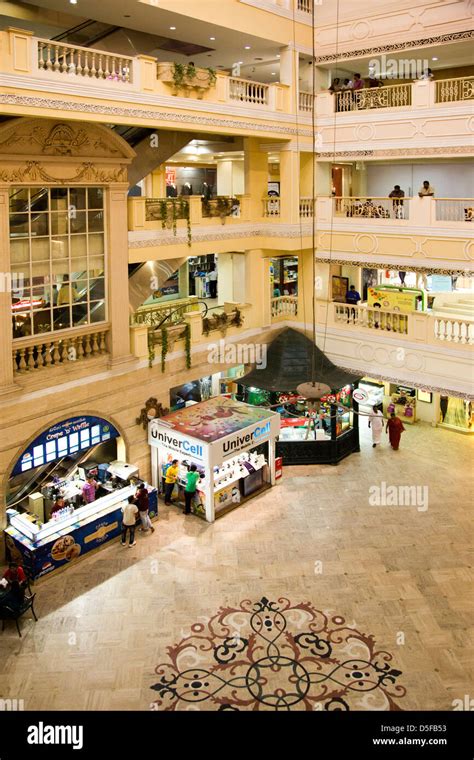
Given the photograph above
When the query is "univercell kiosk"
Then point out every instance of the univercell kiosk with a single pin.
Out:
(232, 445)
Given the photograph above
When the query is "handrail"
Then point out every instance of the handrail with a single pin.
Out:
(86, 49)
(51, 337)
(249, 81)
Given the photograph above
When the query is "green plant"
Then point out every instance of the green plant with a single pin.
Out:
(212, 76)
(187, 344)
(190, 71)
(151, 348)
(164, 347)
(237, 320)
(163, 212)
(179, 73)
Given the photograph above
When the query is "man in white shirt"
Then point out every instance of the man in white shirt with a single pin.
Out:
(130, 512)
(376, 422)
(425, 189)
(212, 279)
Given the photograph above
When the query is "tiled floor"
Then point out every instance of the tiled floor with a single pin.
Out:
(398, 573)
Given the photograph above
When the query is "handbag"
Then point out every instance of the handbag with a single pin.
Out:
(391, 408)
(408, 411)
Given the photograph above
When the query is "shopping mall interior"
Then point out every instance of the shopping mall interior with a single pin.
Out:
(236, 387)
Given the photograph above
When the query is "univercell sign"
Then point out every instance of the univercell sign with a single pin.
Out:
(175, 442)
(243, 441)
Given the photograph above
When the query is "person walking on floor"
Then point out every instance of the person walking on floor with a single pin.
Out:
(171, 478)
(376, 425)
(190, 490)
(212, 279)
(142, 502)
(394, 429)
(129, 518)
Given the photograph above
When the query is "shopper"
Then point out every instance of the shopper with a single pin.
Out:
(58, 504)
(15, 572)
(143, 504)
(190, 490)
(376, 425)
(394, 429)
(171, 479)
(352, 297)
(426, 189)
(212, 279)
(357, 82)
(129, 518)
(335, 85)
(13, 599)
(88, 490)
(427, 74)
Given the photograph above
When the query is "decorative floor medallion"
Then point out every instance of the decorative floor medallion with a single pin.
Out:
(276, 656)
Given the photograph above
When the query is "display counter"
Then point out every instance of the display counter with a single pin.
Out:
(231, 444)
(43, 549)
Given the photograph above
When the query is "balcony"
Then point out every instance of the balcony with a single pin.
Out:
(35, 64)
(379, 212)
(64, 350)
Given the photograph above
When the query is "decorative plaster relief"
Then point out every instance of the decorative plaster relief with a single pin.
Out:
(33, 171)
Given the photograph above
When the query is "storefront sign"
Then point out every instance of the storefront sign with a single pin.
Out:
(65, 438)
(392, 300)
(360, 395)
(174, 441)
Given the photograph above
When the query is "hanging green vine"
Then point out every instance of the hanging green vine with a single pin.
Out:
(187, 344)
(212, 76)
(179, 73)
(164, 347)
(184, 75)
(151, 348)
(163, 212)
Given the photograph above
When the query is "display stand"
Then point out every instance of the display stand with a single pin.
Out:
(232, 445)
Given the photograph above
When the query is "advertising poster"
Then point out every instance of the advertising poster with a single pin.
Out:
(391, 300)
(340, 286)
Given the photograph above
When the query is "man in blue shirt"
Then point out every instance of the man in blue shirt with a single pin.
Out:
(352, 297)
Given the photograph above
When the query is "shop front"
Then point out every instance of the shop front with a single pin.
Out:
(322, 432)
(66, 493)
(232, 445)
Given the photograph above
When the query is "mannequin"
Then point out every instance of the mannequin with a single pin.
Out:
(171, 190)
(187, 189)
(206, 191)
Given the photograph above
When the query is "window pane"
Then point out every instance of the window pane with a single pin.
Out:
(39, 199)
(77, 221)
(96, 221)
(18, 198)
(97, 311)
(19, 251)
(19, 225)
(78, 245)
(97, 289)
(42, 321)
(96, 266)
(40, 249)
(42, 292)
(60, 247)
(61, 317)
(95, 197)
(21, 325)
(82, 290)
(96, 245)
(39, 225)
(77, 197)
(58, 198)
(59, 223)
(79, 314)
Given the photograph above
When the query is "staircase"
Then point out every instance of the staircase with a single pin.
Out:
(454, 306)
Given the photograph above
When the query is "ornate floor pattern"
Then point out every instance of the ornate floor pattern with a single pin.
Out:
(277, 655)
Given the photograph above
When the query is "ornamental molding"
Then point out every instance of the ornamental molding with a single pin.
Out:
(27, 137)
(33, 171)
(410, 267)
(286, 231)
(142, 113)
(455, 150)
(394, 47)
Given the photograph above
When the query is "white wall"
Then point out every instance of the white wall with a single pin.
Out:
(454, 180)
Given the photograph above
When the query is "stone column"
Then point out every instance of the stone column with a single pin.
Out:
(117, 269)
(256, 176)
(290, 186)
(6, 344)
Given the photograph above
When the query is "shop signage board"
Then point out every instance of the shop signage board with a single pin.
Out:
(360, 395)
(63, 439)
(392, 300)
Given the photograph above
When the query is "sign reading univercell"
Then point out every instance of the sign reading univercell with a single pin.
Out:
(244, 440)
(175, 442)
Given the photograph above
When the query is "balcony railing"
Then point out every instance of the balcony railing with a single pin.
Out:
(43, 351)
(455, 330)
(452, 90)
(284, 307)
(305, 101)
(83, 62)
(305, 6)
(372, 208)
(220, 207)
(271, 206)
(246, 91)
(376, 319)
(306, 208)
(454, 209)
(393, 96)
(153, 314)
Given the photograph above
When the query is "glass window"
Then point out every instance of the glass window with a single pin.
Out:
(62, 446)
(57, 246)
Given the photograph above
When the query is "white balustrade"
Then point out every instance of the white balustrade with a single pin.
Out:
(372, 208)
(454, 330)
(58, 57)
(454, 209)
(271, 206)
(305, 6)
(306, 208)
(305, 101)
(452, 90)
(373, 318)
(245, 91)
(284, 306)
(46, 350)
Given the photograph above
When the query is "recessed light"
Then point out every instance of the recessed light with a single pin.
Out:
(247, 47)
(434, 59)
(273, 73)
(278, 56)
(173, 28)
(73, 2)
(212, 38)
(240, 63)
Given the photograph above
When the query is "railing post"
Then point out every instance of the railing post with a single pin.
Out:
(244, 207)
(136, 214)
(422, 211)
(423, 94)
(195, 209)
(325, 104)
(139, 341)
(222, 87)
(21, 50)
(194, 320)
(144, 73)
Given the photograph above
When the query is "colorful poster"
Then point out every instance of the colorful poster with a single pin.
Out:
(392, 300)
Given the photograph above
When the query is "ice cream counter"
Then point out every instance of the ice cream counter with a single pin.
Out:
(44, 549)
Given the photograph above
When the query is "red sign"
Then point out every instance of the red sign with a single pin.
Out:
(278, 467)
(170, 175)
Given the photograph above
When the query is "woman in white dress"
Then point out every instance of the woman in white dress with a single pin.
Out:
(376, 424)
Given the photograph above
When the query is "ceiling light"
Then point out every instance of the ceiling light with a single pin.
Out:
(273, 73)
(239, 63)
(173, 28)
(212, 38)
(434, 59)
(247, 47)
(73, 2)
